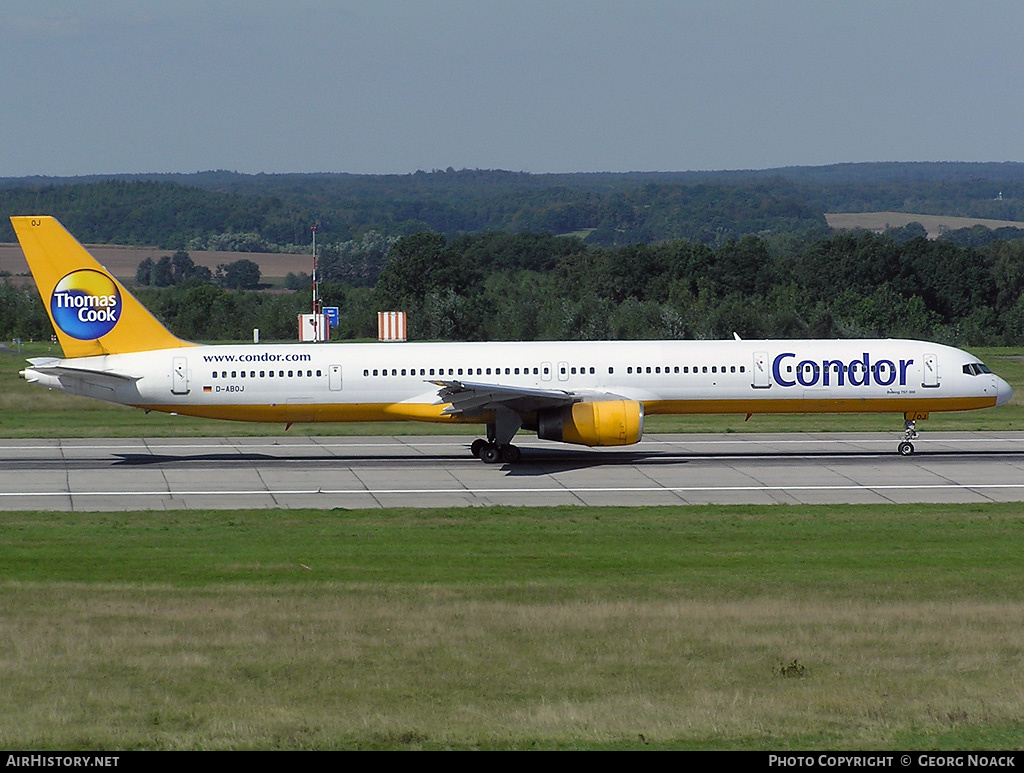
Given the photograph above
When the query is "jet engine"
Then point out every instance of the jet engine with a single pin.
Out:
(605, 423)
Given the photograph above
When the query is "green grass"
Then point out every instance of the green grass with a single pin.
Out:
(27, 410)
(515, 628)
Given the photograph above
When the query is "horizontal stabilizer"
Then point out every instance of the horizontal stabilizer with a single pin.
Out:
(53, 367)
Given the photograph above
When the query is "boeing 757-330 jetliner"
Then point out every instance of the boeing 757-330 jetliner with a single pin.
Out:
(594, 393)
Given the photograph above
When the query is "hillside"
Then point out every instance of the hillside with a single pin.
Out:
(272, 213)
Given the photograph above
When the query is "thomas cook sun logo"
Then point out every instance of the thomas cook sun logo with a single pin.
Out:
(86, 304)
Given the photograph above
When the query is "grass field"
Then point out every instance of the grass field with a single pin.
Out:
(781, 628)
(692, 628)
(27, 410)
(123, 262)
(935, 225)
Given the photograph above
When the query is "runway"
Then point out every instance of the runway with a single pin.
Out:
(438, 471)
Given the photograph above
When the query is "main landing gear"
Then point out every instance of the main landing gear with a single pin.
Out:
(491, 452)
(498, 446)
(906, 448)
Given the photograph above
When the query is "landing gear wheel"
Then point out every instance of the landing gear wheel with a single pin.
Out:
(478, 447)
(906, 448)
(511, 454)
(490, 454)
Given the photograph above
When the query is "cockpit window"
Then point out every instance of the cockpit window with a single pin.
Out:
(976, 368)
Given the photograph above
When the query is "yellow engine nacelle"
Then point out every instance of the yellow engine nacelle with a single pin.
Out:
(606, 423)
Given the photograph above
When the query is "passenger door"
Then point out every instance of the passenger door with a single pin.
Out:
(762, 375)
(930, 371)
(179, 376)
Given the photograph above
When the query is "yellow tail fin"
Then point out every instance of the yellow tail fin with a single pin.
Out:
(92, 313)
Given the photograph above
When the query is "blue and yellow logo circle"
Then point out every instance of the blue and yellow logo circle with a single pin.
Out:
(86, 304)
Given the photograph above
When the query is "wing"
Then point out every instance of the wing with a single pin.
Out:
(472, 399)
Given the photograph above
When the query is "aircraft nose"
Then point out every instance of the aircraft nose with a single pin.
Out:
(1003, 391)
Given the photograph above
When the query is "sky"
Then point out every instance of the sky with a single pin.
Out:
(382, 86)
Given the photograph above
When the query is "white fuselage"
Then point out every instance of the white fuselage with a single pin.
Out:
(394, 381)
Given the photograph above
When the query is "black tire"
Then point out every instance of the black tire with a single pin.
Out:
(906, 448)
(478, 447)
(511, 454)
(491, 454)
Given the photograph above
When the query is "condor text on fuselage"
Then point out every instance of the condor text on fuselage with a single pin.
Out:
(830, 372)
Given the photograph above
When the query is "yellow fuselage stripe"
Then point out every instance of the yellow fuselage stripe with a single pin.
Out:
(349, 412)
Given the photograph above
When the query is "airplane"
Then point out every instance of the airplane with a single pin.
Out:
(591, 393)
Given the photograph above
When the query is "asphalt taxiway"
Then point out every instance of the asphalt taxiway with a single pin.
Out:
(438, 471)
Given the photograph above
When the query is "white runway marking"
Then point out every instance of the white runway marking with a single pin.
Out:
(464, 490)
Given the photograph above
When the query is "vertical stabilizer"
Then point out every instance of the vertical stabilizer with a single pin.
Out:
(91, 312)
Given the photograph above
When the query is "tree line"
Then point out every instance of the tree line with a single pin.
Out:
(179, 268)
(529, 286)
(273, 213)
(501, 286)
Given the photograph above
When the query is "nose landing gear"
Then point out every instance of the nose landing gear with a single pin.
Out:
(906, 448)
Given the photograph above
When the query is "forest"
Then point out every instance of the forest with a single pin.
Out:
(498, 255)
(526, 286)
(272, 213)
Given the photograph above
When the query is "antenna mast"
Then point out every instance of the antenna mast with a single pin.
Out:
(316, 283)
